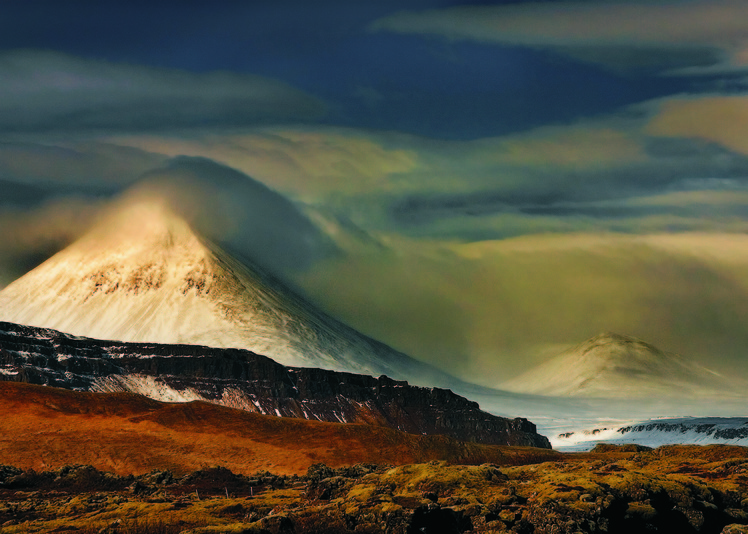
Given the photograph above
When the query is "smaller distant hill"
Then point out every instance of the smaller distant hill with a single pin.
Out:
(618, 366)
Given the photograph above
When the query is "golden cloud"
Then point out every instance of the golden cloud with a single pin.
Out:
(308, 164)
(722, 119)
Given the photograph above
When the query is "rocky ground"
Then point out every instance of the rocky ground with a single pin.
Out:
(612, 490)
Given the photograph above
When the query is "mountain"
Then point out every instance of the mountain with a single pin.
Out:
(245, 380)
(143, 275)
(612, 365)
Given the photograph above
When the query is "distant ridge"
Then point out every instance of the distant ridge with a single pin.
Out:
(614, 365)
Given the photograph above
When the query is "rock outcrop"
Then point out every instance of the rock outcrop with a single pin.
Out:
(242, 379)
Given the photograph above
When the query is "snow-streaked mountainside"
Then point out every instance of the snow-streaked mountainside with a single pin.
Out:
(144, 275)
(612, 365)
(657, 432)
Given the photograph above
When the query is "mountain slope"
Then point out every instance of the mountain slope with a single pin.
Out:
(144, 276)
(612, 365)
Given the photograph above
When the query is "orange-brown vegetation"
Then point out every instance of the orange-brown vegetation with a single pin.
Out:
(45, 428)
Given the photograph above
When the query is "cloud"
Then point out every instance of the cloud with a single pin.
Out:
(719, 119)
(89, 166)
(31, 235)
(554, 180)
(559, 179)
(306, 163)
(666, 35)
(486, 310)
(240, 213)
(55, 92)
(321, 163)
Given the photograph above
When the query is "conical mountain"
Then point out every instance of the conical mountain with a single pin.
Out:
(613, 365)
(144, 275)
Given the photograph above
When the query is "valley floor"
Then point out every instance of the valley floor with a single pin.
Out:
(615, 490)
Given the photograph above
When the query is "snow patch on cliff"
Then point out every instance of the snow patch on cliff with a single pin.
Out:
(147, 386)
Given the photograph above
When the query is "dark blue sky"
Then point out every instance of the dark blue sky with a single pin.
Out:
(425, 85)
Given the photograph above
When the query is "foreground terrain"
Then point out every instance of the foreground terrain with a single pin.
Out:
(673, 489)
(123, 463)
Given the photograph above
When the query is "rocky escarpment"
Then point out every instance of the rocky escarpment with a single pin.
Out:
(245, 380)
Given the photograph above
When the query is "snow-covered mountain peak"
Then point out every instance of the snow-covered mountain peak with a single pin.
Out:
(143, 274)
(141, 247)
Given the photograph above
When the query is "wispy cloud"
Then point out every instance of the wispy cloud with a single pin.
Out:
(31, 235)
(717, 118)
(50, 91)
(231, 208)
(308, 164)
(582, 177)
(88, 166)
(664, 35)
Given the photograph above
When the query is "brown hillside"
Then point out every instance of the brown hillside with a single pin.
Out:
(45, 428)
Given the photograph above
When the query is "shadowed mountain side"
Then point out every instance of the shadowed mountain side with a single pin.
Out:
(127, 433)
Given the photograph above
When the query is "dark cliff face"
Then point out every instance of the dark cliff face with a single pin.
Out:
(245, 380)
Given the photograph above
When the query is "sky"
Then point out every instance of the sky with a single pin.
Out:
(478, 184)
